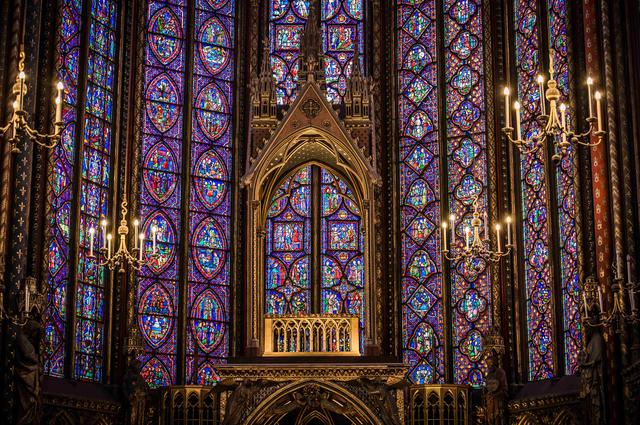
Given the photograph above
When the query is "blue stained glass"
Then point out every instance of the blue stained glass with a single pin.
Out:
(208, 286)
(534, 181)
(342, 25)
(422, 309)
(158, 306)
(558, 36)
(288, 245)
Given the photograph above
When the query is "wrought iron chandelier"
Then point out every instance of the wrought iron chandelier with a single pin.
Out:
(553, 123)
(474, 245)
(18, 122)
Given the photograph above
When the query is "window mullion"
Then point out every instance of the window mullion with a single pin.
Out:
(74, 233)
(316, 239)
(183, 271)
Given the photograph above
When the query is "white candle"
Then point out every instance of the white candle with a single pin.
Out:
(586, 308)
(629, 277)
(598, 97)
(632, 299)
(109, 237)
(141, 237)
(541, 88)
(600, 299)
(589, 84)
(136, 223)
(507, 107)
(60, 87)
(619, 265)
(516, 106)
(444, 235)
(92, 232)
(486, 226)
(498, 237)
(26, 298)
(452, 219)
(467, 235)
(58, 110)
(20, 98)
(563, 121)
(103, 226)
(508, 230)
(14, 124)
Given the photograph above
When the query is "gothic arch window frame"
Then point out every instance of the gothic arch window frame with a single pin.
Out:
(283, 153)
(317, 219)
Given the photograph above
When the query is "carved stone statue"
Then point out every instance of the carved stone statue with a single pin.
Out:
(135, 390)
(27, 372)
(591, 374)
(381, 392)
(241, 398)
(496, 392)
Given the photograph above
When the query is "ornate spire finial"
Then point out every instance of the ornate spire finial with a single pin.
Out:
(355, 64)
(265, 70)
(356, 98)
(263, 87)
(311, 46)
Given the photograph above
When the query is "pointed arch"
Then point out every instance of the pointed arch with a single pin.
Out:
(352, 405)
(322, 140)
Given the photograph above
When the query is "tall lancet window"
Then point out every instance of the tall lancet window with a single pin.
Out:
(432, 183)
(79, 189)
(343, 35)
(544, 330)
(184, 295)
(314, 247)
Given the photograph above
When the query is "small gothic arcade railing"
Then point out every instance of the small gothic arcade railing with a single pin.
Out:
(311, 335)
(444, 404)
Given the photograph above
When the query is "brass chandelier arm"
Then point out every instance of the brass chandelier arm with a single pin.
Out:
(554, 126)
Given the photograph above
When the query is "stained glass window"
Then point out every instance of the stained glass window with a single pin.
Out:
(94, 188)
(420, 173)
(534, 200)
(342, 245)
(566, 197)
(94, 160)
(61, 191)
(206, 215)
(314, 198)
(160, 191)
(288, 243)
(467, 179)
(422, 304)
(541, 326)
(342, 28)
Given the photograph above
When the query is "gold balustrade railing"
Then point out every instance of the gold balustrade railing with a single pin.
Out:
(311, 335)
